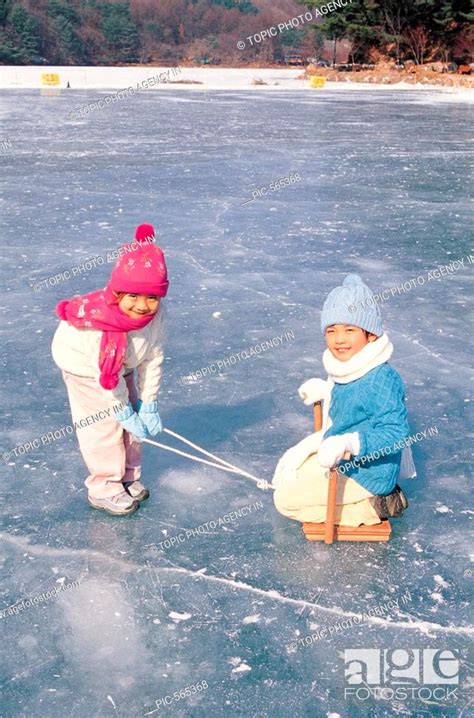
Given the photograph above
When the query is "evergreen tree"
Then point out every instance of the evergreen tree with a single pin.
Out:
(26, 28)
(120, 31)
(10, 53)
(417, 27)
(64, 21)
(291, 37)
(450, 19)
(334, 28)
(111, 31)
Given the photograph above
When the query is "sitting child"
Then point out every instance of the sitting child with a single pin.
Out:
(364, 415)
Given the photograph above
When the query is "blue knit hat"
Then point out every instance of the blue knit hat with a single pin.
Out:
(353, 303)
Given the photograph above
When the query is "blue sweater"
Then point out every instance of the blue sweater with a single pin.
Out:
(374, 406)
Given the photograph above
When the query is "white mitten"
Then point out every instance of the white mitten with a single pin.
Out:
(313, 390)
(332, 450)
(283, 473)
(294, 457)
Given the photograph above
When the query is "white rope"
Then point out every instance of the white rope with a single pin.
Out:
(224, 465)
(189, 456)
(261, 483)
(208, 453)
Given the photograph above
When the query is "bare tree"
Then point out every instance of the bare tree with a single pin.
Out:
(418, 40)
(396, 20)
(464, 46)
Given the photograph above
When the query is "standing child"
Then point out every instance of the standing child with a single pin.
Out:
(363, 413)
(102, 339)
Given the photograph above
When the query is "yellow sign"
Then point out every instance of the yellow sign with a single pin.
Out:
(317, 81)
(49, 78)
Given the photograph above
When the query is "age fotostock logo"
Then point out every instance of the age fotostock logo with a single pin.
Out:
(401, 673)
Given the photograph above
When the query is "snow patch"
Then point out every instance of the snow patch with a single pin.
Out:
(254, 618)
(242, 668)
(179, 616)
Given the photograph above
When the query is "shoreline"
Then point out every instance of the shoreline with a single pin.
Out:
(15, 77)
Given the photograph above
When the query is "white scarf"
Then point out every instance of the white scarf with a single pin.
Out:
(372, 355)
(343, 372)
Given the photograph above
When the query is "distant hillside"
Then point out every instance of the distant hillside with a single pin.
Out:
(142, 31)
(89, 32)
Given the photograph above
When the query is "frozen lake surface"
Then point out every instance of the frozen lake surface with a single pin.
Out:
(383, 191)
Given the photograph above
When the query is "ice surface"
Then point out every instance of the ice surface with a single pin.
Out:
(383, 192)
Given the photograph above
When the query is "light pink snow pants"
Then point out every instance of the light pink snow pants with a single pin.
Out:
(111, 454)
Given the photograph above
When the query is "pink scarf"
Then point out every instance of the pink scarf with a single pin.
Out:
(100, 310)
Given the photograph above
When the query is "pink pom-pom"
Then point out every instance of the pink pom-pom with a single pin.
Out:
(61, 309)
(108, 381)
(144, 233)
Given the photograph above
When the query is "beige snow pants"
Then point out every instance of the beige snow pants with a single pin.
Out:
(304, 498)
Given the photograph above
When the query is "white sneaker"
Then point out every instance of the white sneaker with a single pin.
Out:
(118, 505)
(137, 490)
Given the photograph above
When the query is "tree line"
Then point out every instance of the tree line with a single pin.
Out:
(420, 30)
(92, 32)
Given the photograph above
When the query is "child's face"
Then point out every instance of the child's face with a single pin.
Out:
(139, 305)
(345, 340)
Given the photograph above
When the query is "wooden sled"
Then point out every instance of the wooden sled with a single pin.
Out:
(329, 531)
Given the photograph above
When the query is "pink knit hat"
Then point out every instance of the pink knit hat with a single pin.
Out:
(141, 268)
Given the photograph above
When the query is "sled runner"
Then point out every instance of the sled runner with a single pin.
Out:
(329, 531)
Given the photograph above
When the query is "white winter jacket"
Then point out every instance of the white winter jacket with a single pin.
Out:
(77, 351)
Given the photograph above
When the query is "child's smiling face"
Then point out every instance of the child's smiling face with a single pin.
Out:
(345, 340)
(138, 305)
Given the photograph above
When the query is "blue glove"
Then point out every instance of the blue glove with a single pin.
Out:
(148, 413)
(131, 422)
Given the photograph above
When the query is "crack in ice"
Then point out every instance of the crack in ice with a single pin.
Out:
(414, 625)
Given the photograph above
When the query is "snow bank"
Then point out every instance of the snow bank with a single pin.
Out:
(198, 78)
